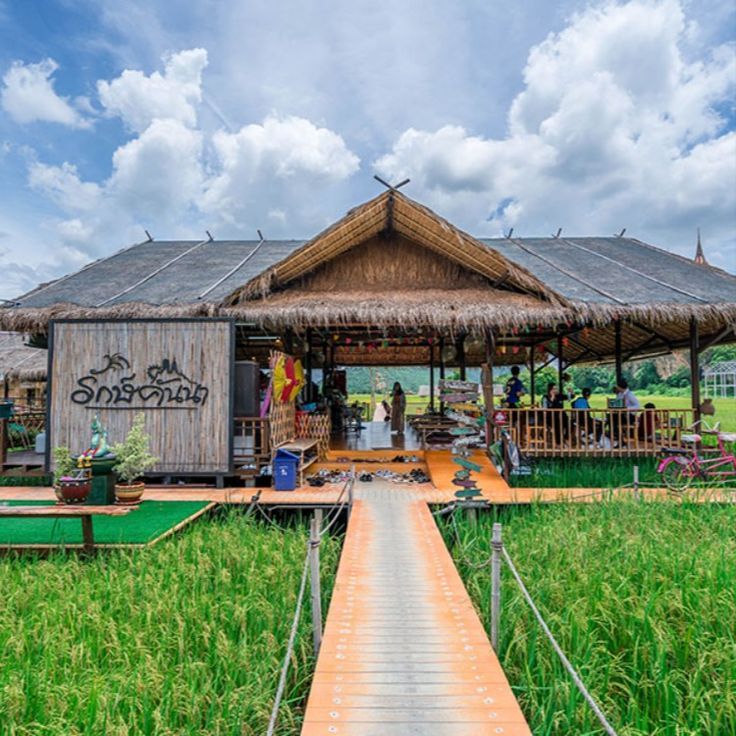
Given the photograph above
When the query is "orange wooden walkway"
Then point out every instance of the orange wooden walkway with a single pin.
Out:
(404, 651)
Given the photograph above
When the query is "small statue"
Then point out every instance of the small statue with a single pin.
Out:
(99, 446)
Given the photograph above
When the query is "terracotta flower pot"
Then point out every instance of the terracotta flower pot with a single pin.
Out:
(72, 491)
(129, 495)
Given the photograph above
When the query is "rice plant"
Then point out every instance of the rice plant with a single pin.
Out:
(183, 638)
(641, 597)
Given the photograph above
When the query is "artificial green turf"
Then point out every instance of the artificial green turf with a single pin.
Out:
(148, 521)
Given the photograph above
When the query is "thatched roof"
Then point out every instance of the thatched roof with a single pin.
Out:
(18, 361)
(392, 261)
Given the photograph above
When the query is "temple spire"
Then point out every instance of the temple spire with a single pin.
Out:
(699, 255)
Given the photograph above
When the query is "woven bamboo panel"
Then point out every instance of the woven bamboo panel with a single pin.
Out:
(282, 422)
(176, 373)
(315, 427)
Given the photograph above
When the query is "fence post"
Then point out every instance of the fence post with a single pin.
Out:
(637, 495)
(314, 580)
(496, 547)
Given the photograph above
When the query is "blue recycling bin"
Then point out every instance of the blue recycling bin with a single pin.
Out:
(284, 470)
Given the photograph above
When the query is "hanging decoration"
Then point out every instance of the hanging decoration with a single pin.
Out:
(449, 352)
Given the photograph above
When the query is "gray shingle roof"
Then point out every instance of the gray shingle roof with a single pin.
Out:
(598, 270)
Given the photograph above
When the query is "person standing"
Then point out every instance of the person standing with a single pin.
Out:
(398, 408)
(514, 389)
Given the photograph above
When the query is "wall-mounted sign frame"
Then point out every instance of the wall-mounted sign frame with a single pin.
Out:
(178, 372)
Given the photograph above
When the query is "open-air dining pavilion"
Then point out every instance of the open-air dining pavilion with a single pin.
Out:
(394, 284)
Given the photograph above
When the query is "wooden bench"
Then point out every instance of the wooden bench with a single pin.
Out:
(85, 513)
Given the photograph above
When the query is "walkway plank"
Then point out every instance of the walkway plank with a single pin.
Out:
(404, 651)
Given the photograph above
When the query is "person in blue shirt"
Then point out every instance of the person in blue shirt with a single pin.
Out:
(582, 401)
(514, 389)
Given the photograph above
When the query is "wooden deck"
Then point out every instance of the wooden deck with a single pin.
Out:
(404, 651)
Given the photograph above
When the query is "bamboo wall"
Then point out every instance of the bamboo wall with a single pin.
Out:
(178, 373)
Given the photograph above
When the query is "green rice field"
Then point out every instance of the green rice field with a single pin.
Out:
(186, 637)
(641, 597)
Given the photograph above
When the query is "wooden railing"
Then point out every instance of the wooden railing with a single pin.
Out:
(594, 432)
(251, 444)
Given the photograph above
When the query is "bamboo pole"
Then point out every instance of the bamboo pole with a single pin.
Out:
(695, 368)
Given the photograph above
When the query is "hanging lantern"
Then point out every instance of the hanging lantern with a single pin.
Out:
(565, 341)
(336, 337)
(515, 349)
(348, 340)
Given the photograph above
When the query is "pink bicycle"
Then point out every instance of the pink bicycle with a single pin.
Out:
(682, 466)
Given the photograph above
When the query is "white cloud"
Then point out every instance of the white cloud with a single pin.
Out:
(28, 95)
(279, 159)
(139, 99)
(615, 127)
(158, 174)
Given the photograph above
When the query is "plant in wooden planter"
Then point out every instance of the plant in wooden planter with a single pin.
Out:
(71, 483)
(133, 460)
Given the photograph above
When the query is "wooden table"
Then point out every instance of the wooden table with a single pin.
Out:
(85, 513)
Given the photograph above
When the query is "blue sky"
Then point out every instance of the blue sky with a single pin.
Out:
(233, 116)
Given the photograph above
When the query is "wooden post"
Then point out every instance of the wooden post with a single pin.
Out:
(496, 547)
(532, 376)
(431, 376)
(460, 347)
(314, 580)
(560, 363)
(87, 534)
(442, 370)
(617, 348)
(695, 368)
(308, 367)
(3, 443)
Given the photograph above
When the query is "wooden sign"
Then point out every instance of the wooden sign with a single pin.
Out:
(177, 372)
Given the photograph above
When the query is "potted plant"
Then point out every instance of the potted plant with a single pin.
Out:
(133, 459)
(71, 484)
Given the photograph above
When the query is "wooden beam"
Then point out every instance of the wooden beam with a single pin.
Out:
(617, 351)
(532, 376)
(715, 340)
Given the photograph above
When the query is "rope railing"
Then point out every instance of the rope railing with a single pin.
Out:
(607, 727)
(289, 647)
(498, 554)
(311, 571)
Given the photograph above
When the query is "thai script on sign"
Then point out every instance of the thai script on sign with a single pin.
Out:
(115, 386)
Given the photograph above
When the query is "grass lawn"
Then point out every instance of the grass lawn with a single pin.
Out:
(149, 521)
(186, 637)
(642, 599)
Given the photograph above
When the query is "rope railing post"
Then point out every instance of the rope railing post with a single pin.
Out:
(314, 579)
(496, 548)
(351, 487)
(607, 727)
(637, 494)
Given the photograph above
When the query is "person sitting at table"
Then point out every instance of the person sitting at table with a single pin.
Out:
(582, 401)
(625, 399)
(554, 420)
(626, 396)
(648, 424)
(514, 389)
(552, 398)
